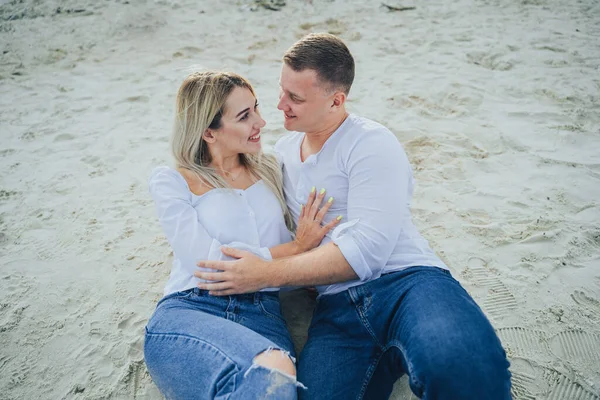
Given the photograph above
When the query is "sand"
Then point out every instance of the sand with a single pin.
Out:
(496, 102)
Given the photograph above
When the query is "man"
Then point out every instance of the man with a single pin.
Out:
(388, 305)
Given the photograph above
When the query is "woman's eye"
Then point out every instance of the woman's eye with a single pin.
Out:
(245, 117)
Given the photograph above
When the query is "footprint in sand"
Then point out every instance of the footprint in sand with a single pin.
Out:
(531, 382)
(331, 25)
(577, 345)
(11, 316)
(132, 322)
(4, 359)
(454, 101)
(499, 301)
(63, 137)
(495, 61)
(7, 194)
(187, 51)
(521, 386)
(7, 152)
(19, 374)
(589, 303)
(137, 99)
(525, 380)
(134, 378)
(55, 244)
(526, 343)
(563, 388)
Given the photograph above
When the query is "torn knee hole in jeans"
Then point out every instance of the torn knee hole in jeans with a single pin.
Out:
(280, 377)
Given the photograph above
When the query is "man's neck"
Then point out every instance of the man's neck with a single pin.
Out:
(314, 141)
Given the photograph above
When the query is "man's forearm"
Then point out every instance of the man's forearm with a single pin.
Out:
(285, 250)
(322, 266)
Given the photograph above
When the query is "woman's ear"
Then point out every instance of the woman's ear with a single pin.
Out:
(209, 136)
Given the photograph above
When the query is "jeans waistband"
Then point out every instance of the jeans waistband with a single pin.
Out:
(245, 296)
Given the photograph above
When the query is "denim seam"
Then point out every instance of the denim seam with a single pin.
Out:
(269, 314)
(369, 376)
(365, 322)
(409, 365)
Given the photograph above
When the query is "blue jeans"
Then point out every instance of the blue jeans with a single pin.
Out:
(202, 347)
(418, 321)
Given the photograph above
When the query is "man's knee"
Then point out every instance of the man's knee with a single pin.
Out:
(276, 359)
(466, 368)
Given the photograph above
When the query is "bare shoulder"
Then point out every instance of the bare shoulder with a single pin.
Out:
(195, 184)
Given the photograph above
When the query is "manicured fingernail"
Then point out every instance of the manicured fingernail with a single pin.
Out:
(301, 207)
(330, 200)
(313, 189)
(322, 191)
(339, 218)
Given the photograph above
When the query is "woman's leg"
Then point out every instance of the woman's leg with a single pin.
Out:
(193, 354)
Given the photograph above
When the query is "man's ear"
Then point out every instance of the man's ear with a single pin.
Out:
(209, 136)
(339, 99)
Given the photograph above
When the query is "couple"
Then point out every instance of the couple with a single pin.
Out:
(387, 304)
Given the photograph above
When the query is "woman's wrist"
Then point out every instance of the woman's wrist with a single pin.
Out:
(299, 248)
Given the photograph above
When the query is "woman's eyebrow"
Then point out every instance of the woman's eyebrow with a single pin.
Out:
(243, 111)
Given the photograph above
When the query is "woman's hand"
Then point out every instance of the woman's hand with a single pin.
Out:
(309, 231)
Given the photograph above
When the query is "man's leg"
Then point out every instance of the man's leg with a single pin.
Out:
(339, 354)
(433, 330)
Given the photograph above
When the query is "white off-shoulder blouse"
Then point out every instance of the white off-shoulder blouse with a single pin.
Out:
(197, 226)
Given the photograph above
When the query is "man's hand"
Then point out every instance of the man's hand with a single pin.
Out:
(246, 275)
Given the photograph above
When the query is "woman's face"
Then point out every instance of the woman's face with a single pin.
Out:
(240, 124)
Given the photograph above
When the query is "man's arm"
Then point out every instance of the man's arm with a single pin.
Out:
(321, 266)
(378, 177)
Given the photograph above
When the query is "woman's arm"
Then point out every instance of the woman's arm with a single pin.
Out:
(188, 238)
(191, 242)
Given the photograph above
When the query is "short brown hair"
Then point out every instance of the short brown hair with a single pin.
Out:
(327, 55)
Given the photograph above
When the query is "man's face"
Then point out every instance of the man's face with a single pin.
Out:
(304, 102)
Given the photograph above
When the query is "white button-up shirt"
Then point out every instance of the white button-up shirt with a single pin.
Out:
(364, 167)
(197, 226)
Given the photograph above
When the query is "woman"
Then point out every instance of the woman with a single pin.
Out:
(224, 191)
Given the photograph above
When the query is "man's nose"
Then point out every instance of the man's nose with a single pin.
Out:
(282, 104)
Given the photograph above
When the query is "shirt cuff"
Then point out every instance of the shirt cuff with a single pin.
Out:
(353, 255)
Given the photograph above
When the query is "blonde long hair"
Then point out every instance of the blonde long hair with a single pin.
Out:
(200, 105)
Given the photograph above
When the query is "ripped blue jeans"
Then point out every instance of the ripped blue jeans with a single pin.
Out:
(199, 346)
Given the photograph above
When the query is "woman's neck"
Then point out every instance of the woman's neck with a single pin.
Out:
(226, 163)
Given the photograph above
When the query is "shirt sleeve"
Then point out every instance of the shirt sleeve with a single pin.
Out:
(379, 176)
(188, 238)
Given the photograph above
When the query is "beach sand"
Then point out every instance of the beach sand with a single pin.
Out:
(496, 103)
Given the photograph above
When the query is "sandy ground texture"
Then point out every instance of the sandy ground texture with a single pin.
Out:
(496, 102)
